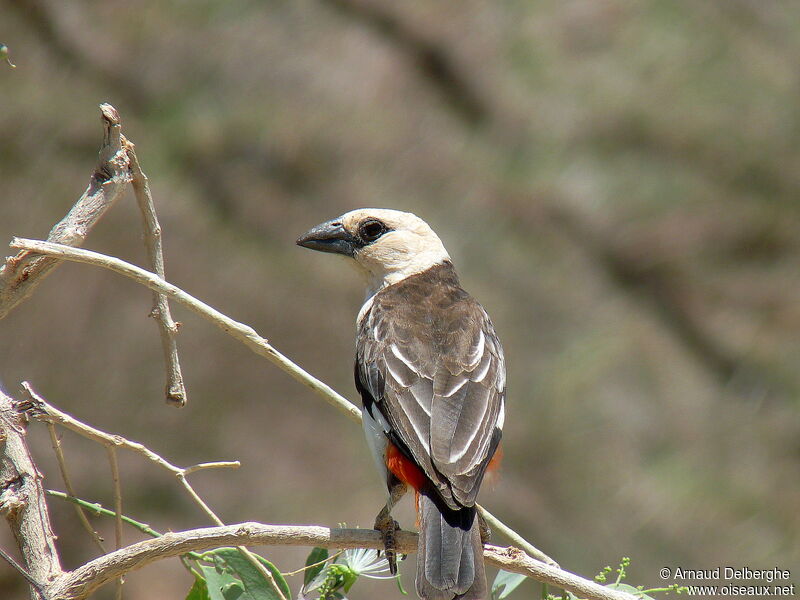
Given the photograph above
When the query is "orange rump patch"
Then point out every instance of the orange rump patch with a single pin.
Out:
(493, 469)
(403, 468)
(494, 464)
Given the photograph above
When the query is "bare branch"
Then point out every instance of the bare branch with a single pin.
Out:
(244, 333)
(22, 273)
(40, 409)
(62, 466)
(114, 464)
(84, 580)
(175, 390)
(22, 500)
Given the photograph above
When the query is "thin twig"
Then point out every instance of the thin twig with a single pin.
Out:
(62, 467)
(21, 570)
(244, 333)
(112, 461)
(79, 583)
(175, 389)
(99, 509)
(311, 566)
(40, 409)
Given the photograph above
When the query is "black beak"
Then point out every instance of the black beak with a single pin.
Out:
(330, 237)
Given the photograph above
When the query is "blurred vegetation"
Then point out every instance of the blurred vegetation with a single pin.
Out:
(617, 182)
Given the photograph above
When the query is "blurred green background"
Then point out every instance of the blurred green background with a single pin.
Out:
(616, 180)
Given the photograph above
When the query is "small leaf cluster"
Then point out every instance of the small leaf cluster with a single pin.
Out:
(228, 574)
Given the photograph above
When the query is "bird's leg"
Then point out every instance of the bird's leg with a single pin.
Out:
(388, 526)
(486, 531)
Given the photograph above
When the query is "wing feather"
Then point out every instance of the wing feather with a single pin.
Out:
(437, 375)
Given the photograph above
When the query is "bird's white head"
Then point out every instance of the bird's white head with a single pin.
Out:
(387, 245)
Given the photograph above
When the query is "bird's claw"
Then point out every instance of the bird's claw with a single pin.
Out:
(388, 527)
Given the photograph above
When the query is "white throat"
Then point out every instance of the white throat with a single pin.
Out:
(389, 273)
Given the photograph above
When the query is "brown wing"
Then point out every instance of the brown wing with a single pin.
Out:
(428, 356)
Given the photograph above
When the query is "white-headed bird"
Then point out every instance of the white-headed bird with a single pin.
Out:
(431, 374)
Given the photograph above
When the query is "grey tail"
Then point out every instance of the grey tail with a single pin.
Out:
(450, 554)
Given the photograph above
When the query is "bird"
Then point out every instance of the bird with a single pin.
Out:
(431, 373)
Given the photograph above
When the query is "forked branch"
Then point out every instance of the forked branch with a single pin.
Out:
(117, 166)
(22, 273)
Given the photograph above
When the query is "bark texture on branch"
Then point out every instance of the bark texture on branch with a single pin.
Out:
(22, 500)
(22, 273)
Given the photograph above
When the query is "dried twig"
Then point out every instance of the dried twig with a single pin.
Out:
(244, 333)
(38, 408)
(62, 467)
(22, 273)
(111, 451)
(175, 390)
(21, 570)
(84, 580)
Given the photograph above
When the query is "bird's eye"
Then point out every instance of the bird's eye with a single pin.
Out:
(371, 229)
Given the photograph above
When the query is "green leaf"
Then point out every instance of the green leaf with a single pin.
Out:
(505, 583)
(317, 555)
(221, 585)
(256, 586)
(199, 590)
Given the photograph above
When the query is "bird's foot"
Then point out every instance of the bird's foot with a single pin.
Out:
(388, 527)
